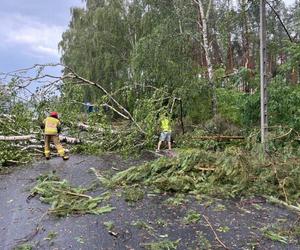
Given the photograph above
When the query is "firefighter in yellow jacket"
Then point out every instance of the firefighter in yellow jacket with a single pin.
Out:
(52, 128)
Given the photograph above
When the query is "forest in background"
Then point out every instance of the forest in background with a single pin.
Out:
(199, 59)
(205, 52)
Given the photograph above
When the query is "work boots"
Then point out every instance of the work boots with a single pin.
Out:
(65, 157)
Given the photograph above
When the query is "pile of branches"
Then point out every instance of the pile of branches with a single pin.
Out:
(13, 147)
(65, 199)
(233, 172)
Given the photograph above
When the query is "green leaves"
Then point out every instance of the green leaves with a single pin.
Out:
(65, 200)
(191, 217)
(275, 236)
(162, 245)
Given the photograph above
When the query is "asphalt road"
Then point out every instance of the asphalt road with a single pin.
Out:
(237, 224)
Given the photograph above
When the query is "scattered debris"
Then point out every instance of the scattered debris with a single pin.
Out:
(51, 235)
(132, 193)
(23, 247)
(109, 225)
(30, 236)
(226, 174)
(80, 239)
(162, 245)
(191, 217)
(214, 232)
(65, 199)
(274, 236)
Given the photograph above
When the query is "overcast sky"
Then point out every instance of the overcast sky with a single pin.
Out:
(31, 29)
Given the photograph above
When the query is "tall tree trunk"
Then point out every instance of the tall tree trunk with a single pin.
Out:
(245, 35)
(207, 48)
(229, 63)
(294, 76)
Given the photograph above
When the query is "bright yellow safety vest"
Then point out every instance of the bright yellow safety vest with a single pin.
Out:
(165, 125)
(51, 125)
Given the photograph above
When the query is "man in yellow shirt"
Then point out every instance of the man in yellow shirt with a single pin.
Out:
(52, 128)
(166, 130)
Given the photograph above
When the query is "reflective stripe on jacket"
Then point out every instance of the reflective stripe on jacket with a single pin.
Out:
(51, 125)
(165, 125)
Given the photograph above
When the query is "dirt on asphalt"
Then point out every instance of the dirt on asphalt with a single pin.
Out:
(150, 223)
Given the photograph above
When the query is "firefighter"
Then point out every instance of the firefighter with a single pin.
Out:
(52, 128)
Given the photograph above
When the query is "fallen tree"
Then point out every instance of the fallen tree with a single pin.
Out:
(17, 138)
(22, 149)
(62, 138)
(218, 137)
(230, 173)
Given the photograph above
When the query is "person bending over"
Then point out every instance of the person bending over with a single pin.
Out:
(52, 128)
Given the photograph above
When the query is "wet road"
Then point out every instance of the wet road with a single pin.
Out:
(237, 224)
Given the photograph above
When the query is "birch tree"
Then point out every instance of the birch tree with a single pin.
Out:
(203, 26)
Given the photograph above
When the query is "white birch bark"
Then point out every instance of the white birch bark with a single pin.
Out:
(207, 48)
(66, 139)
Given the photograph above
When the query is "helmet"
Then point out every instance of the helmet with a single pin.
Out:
(54, 114)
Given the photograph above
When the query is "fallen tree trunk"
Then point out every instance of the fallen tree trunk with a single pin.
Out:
(219, 137)
(17, 138)
(71, 140)
(127, 114)
(9, 117)
(62, 138)
(85, 127)
(37, 148)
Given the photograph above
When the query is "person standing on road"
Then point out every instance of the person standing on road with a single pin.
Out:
(166, 131)
(52, 127)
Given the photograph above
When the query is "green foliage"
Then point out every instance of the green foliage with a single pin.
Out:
(157, 51)
(130, 47)
(274, 236)
(196, 99)
(295, 230)
(177, 200)
(223, 229)
(250, 110)
(18, 122)
(229, 104)
(234, 172)
(162, 245)
(102, 34)
(133, 193)
(283, 106)
(23, 247)
(51, 235)
(191, 217)
(164, 173)
(9, 155)
(202, 242)
(65, 199)
(109, 225)
(142, 224)
(293, 50)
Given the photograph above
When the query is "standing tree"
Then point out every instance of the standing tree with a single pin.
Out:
(203, 26)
